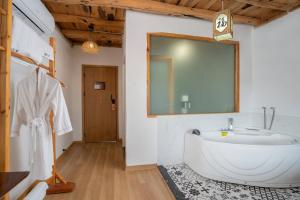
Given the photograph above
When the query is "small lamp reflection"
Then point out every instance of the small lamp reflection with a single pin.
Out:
(186, 104)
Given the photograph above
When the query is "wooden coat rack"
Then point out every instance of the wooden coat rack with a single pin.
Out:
(57, 184)
(5, 53)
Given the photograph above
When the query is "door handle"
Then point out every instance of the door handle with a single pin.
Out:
(113, 100)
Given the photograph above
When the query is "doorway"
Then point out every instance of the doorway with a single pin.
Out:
(100, 103)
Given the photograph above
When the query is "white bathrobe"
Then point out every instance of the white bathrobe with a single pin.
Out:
(36, 96)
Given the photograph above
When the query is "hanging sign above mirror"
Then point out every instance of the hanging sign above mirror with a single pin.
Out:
(223, 25)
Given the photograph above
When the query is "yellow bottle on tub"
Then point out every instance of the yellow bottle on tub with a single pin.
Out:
(224, 133)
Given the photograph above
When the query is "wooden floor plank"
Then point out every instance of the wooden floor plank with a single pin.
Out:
(98, 171)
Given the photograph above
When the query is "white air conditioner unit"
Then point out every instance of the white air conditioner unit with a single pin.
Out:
(36, 14)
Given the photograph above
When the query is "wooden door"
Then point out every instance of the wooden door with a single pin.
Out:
(100, 103)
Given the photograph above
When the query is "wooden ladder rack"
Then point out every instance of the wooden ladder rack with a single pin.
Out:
(2, 11)
(5, 58)
(5, 55)
(57, 184)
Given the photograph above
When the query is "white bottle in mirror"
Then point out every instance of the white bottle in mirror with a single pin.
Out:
(186, 104)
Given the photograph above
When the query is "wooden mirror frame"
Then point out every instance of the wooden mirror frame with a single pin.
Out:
(198, 38)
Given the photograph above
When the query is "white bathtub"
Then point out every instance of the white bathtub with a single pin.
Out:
(258, 158)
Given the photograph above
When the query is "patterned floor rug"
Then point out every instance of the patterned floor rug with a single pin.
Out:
(188, 185)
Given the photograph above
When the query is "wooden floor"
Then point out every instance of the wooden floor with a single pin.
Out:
(98, 171)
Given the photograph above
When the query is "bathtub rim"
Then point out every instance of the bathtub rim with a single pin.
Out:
(232, 143)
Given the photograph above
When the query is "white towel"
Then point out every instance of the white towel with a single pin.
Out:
(38, 192)
(28, 42)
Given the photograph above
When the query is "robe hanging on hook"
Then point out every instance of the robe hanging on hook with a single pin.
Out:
(223, 24)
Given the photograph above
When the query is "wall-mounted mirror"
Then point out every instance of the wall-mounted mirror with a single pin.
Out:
(188, 74)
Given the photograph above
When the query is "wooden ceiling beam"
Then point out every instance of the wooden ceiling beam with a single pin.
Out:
(87, 20)
(159, 8)
(265, 4)
(85, 35)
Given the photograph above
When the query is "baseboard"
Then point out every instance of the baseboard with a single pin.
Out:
(141, 167)
(67, 149)
(77, 142)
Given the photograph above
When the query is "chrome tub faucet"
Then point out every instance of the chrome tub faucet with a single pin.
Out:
(230, 124)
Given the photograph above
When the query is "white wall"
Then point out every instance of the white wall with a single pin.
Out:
(276, 71)
(20, 145)
(142, 133)
(276, 65)
(108, 57)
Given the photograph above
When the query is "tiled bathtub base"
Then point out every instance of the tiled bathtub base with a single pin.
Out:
(188, 185)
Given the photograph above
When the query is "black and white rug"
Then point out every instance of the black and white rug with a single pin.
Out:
(188, 185)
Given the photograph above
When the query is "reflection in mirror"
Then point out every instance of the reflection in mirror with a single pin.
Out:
(191, 75)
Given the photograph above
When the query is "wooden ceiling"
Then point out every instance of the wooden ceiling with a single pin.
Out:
(73, 20)
(74, 16)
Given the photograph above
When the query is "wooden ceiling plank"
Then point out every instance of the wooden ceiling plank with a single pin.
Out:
(183, 2)
(193, 3)
(100, 43)
(246, 10)
(174, 2)
(232, 5)
(120, 14)
(273, 18)
(238, 8)
(259, 12)
(84, 27)
(264, 4)
(94, 12)
(294, 6)
(59, 8)
(110, 13)
(73, 34)
(107, 29)
(159, 8)
(87, 20)
(209, 4)
(76, 25)
(84, 10)
(50, 6)
(65, 25)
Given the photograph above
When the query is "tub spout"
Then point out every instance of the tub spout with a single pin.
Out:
(230, 124)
